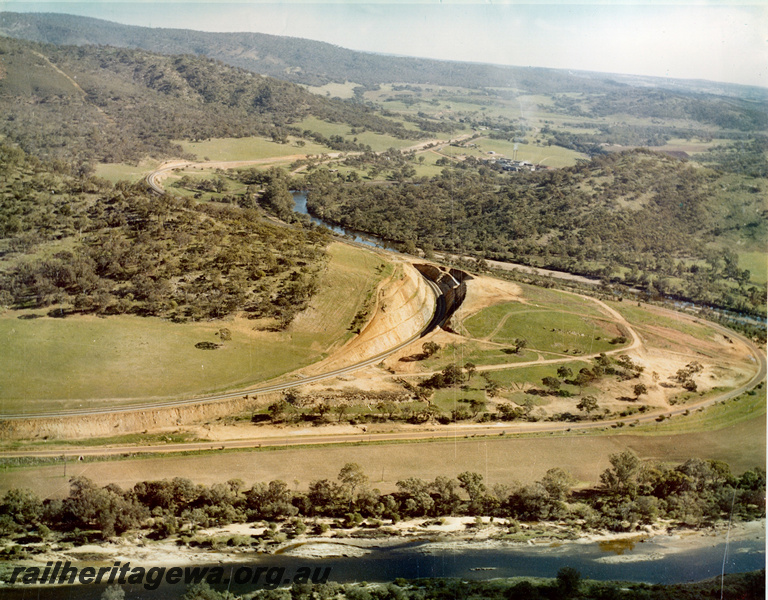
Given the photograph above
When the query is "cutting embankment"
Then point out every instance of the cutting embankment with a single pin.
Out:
(388, 303)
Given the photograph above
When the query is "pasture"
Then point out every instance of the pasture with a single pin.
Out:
(248, 148)
(499, 458)
(124, 172)
(85, 361)
(549, 321)
(334, 90)
(517, 378)
(757, 264)
(549, 156)
(646, 315)
(476, 352)
(377, 141)
(548, 331)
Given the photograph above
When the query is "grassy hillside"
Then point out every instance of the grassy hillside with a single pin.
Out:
(199, 296)
(83, 360)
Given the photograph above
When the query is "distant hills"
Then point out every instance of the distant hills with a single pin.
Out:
(83, 90)
(318, 63)
(292, 59)
(107, 104)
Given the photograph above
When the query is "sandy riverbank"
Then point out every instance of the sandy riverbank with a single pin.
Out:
(460, 534)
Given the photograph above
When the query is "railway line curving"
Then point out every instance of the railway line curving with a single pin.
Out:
(439, 316)
(311, 438)
(449, 288)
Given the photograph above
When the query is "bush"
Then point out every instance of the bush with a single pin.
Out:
(239, 540)
(207, 346)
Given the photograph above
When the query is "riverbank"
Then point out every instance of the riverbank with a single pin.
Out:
(244, 543)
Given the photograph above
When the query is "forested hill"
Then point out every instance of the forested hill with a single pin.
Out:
(82, 104)
(88, 246)
(637, 217)
(292, 59)
(318, 63)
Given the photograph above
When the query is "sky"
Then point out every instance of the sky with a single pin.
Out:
(723, 40)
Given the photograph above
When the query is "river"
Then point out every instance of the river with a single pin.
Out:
(626, 560)
(648, 561)
(300, 206)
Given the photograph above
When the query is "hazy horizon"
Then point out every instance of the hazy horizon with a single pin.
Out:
(724, 42)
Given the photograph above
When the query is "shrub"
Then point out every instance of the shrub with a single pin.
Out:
(207, 346)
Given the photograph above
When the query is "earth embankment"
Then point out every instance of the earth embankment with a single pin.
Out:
(401, 309)
(402, 306)
(130, 421)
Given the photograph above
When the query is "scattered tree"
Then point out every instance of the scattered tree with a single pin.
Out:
(588, 404)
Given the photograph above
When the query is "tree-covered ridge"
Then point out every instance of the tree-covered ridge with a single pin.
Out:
(293, 59)
(747, 157)
(638, 217)
(114, 105)
(88, 246)
(726, 113)
(317, 63)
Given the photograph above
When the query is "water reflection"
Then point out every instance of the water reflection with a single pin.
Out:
(300, 206)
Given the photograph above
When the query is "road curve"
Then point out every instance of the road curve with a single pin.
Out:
(154, 178)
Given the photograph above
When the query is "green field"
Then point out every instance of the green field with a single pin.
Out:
(757, 264)
(555, 300)
(76, 362)
(250, 148)
(482, 323)
(534, 374)
(549, 156)
(223, 150)
(638, 315)
(749, 406)
(195, 176)
(427, 167)
(334, 90)
(691, 146)
(377, 141)
(122, 172)
(454, 398)
(550, 321)
(550, 331)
